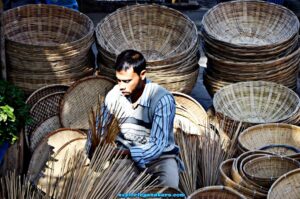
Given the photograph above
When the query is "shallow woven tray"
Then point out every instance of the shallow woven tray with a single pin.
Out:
(287, 186)
(44, 108)
(259, 136)
(60, 146)
(220, 192)
(81, 98)
(50, 145)
(49, 125)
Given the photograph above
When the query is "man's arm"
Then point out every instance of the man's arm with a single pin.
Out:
(162, 124)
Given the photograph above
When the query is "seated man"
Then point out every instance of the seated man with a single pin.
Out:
(149, 111)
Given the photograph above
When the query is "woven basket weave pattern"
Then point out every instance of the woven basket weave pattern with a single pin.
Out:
(47, 44)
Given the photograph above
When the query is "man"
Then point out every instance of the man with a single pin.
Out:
(147, 127)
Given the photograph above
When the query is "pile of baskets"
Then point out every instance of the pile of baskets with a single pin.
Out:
(254, 172)
(169, 46)
(60, 119)
(250, 40)
(60, 106)
(47, 44)
(255, 102)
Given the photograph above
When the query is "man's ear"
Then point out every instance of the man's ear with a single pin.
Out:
(143, 74)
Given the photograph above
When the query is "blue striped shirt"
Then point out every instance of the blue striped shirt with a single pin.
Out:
(147, 130)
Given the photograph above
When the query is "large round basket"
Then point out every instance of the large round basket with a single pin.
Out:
(169, 46)
(287, 186)
(282, 139)
(254, 102)
(220, 192)
(81, 98)
(47, 44)
(250, 26)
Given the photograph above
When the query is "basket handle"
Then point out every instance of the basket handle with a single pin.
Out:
(296, 150)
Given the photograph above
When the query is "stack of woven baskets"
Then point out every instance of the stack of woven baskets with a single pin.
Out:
(253, 173)
(169, 46)
(250, 40)
(47, 44)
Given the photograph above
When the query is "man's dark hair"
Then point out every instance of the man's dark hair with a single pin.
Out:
(131, 58)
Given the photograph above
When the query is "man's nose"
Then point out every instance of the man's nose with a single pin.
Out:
(122, 86)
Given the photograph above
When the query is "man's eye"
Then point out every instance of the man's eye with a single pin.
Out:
(126, 81)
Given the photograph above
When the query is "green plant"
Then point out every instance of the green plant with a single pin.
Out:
(14, 113)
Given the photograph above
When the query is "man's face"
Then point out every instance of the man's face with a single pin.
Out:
(129, 81)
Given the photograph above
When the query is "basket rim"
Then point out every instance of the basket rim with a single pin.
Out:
(180, 94)
(194, 41)
(66, 44)
(261, 83)
(247, 1)
(262, 126)
(281, 178)
(73, 86)
(217, 187)
(44, 87)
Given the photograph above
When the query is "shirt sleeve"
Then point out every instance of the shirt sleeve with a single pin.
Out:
(162, 125)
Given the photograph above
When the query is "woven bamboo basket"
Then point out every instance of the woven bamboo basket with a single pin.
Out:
(220, 192)
(254, 102)
(282, 139)
(240, 178)
(250, 25)
(43, 109)
(256, 186)
(287, 186)
(42, 92)
(280, 70)
(50, 156)
(47, 44)
(190, 116)
(169, 46)
(81, 98)
(266, 170)
(246, 55)
(226, 179)
(49, 125)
